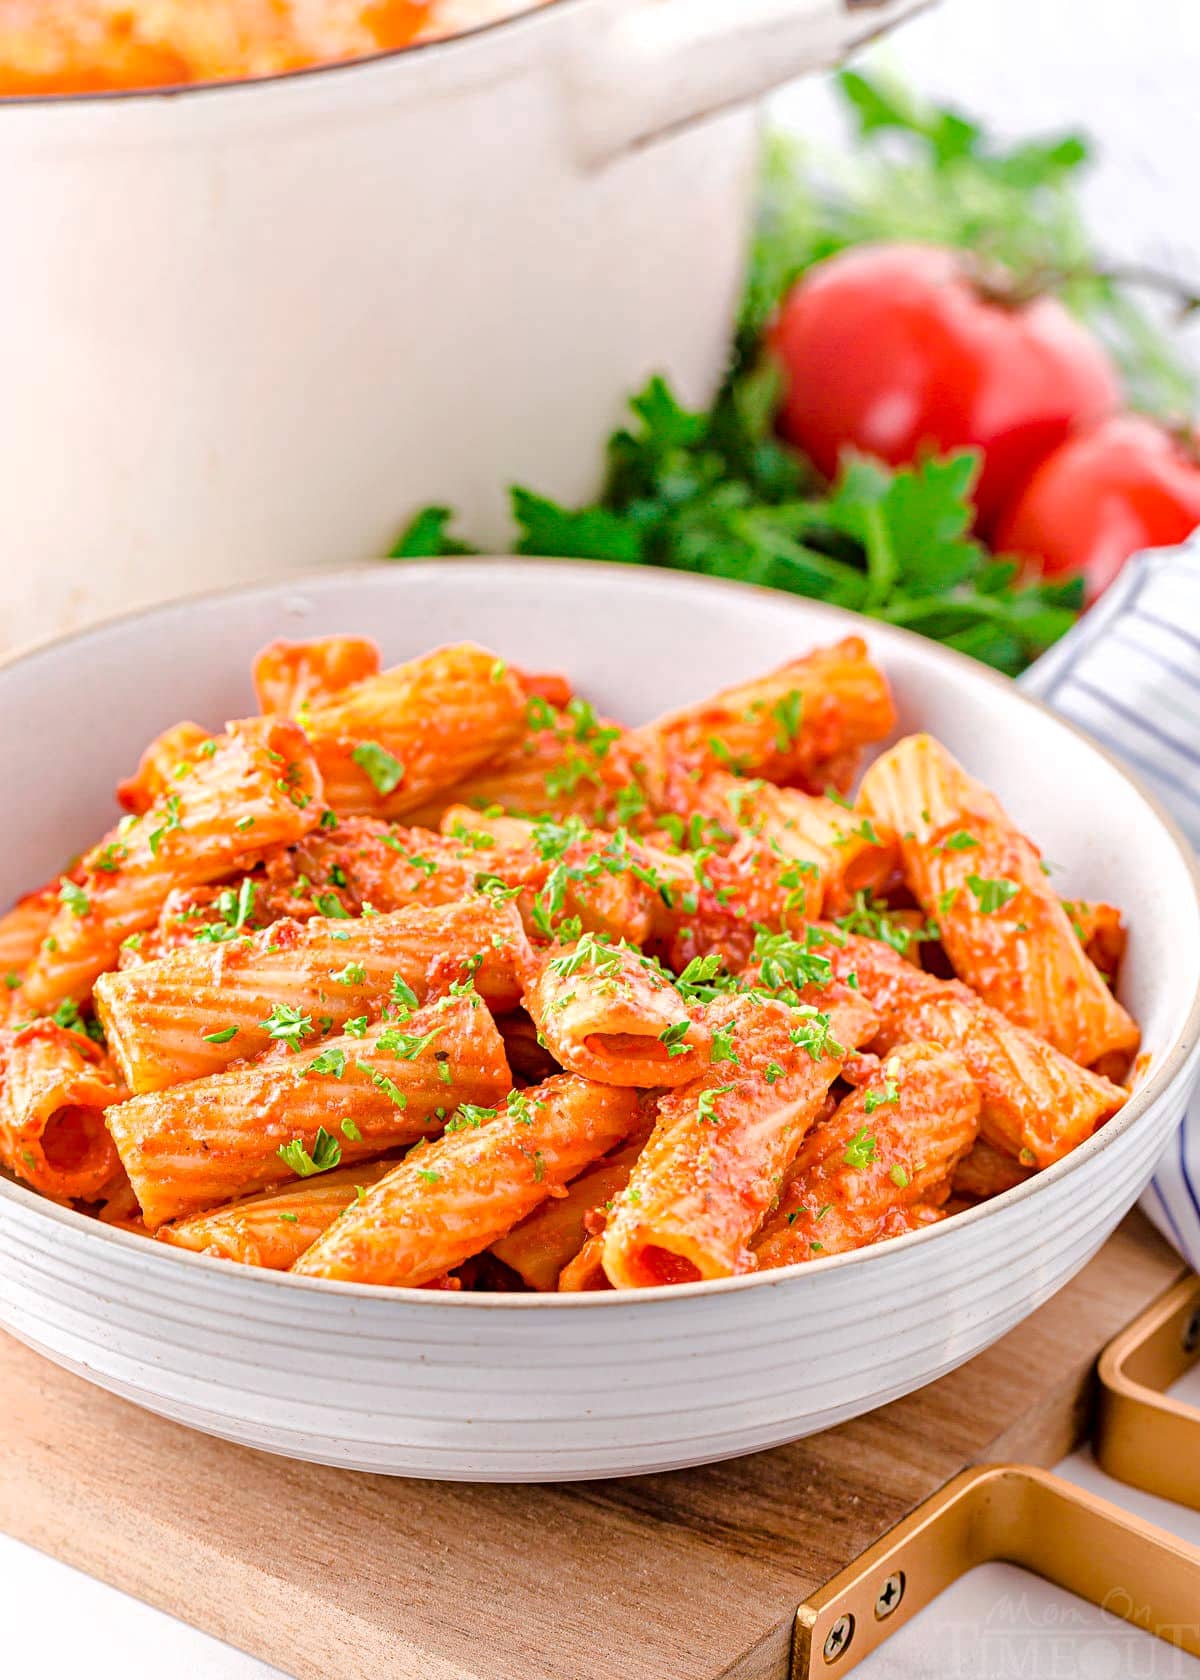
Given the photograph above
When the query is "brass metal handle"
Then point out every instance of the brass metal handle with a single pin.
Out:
(1143, 1436)
(1011, 1513)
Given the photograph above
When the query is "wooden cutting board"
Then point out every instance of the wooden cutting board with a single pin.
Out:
(692, 1575)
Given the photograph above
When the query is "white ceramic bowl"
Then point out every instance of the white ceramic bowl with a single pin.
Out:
(525, 1387)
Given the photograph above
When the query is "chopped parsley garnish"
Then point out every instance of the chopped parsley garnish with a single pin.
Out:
(945, 901)
(67, 1016)
(722, 1046)
(12, 979)
(467, 1116)
(406, 1047)
(786, 712)
(356, 1026)
(381, 1081)
(873, 920)
(539, 713)
(288, 1024)
(862, 1150)
(402, 992)
(428, 1174)
(328, 820)
(703, 979)
(111, 858)
(329, 904)
(876, 1099)
(787, 963)
(234, 909)
(496, 887)
(351, 1131)
(589, 953)
(706, 1112)
(354, 974)
(382, 770)
(243, 824)
(992, 895)
(815, 1034)
(959, 841)
(224, 1036)
(773, 1073)
(898, 1176)
(326, 1153)
(673, 1037)
(331, 1061)
(520, 1107)
(74, 897)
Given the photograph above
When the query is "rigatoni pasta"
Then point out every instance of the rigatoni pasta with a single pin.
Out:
(54, 1090)
(1002, 924)
(312, 1102)
(450, 1199)
(258, 788)
(891, 1145)
(432, 976)
(202, 1007)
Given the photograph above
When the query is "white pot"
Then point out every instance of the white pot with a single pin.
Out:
(247, 329)
(550, 1387)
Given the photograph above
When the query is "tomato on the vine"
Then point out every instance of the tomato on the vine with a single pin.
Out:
(1124, 485)
(889, 349)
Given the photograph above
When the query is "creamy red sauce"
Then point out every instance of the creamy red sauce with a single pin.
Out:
(88, 46)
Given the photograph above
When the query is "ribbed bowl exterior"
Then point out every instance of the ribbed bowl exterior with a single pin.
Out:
(504, 1391)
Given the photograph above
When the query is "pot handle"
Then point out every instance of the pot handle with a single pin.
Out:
(665, 63)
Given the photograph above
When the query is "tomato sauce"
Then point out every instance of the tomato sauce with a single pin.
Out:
(89, 46)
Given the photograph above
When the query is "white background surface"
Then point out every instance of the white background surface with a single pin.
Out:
(1127, 71)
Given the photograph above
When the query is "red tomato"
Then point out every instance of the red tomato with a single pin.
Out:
(889, 348)
(1126, 484)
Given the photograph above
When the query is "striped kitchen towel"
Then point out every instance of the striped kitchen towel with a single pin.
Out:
(1129, 674)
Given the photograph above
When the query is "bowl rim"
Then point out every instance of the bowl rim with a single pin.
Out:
(1171, 1064)
(171, 92)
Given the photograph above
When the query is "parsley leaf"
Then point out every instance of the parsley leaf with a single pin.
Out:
(326, 1154)
(383, 771)
(862, 1150)
(288, 1024)
(992, 895)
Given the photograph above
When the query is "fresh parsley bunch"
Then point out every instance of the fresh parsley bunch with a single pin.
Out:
(716, 493)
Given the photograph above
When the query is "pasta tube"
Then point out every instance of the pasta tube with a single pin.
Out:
(168, 759)
(608, 1013)
(195, 1146)
(447, 1201)
(386, 745)
(563, 765)
(258, 788)
(890, 1145)
(585, 1272)
(839, 852)
(54, 1091)
(290, 676)
(803, 725)
(1037, 1104)
(986, 1171)
(555, 1234)
(273, 1228)
(22, 930)
(720, 1145)
(211, 1003)
(1100, 929)
(1003, 926)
